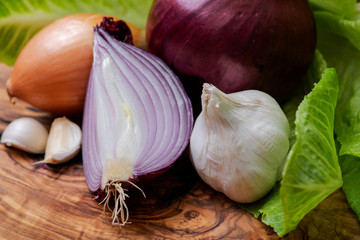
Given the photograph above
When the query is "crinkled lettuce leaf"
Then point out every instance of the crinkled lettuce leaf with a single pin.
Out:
(342, 51)
(339, 41)
(342, 55)
(313, 75)
(338, 25)
(269, 209)
(350, 166)
(339, 7)
(312, 171)
(21, 19)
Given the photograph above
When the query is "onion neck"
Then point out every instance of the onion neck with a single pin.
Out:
(117, 29)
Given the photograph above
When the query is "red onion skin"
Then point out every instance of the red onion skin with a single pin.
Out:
(235, 45)
(118, 29)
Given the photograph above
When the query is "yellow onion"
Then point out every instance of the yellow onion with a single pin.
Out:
(52, 71)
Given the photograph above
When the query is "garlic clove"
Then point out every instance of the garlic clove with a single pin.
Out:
(63, 143)
(26, 134)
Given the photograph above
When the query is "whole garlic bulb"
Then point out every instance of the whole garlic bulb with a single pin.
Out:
(239, 142)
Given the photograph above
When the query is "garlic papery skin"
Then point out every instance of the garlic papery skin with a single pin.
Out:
(26, 134)
(63, 143)
(239, 142)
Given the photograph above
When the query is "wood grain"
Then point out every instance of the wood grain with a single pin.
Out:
(39, 202)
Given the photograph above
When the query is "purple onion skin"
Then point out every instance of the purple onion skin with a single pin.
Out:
(235, 44)
(118, 29)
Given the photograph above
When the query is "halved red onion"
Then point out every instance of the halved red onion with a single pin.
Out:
(137, 117)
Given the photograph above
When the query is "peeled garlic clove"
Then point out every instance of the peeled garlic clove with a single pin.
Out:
(63, 143)
(26, 134)
(239, 142)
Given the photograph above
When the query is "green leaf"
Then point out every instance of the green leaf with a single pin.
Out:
(313, 75)
(269, 208)
(342, 55)
(350, 167)
(21, 19)
(349, 136)
(312, 171)
(342, 7)
(331, 23)
(339, 41)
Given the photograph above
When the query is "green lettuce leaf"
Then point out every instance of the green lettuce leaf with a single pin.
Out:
(338, 25)
(312, 170)
(313, 75)
(342, 55)
(339, 41)
(21, 19)
(342, 7)
(350, 167)
(269, 209)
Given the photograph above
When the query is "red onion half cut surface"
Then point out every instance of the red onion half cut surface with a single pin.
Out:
(137, 117)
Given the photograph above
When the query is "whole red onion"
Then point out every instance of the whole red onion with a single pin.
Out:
(235, 44)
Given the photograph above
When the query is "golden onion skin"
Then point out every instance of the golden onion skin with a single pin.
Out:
(52, 71)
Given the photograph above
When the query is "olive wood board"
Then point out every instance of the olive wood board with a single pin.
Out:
(54, 202)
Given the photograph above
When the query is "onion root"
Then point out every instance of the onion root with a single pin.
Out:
(115, 188)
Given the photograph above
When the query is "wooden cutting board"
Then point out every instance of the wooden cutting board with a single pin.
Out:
(53, 202)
